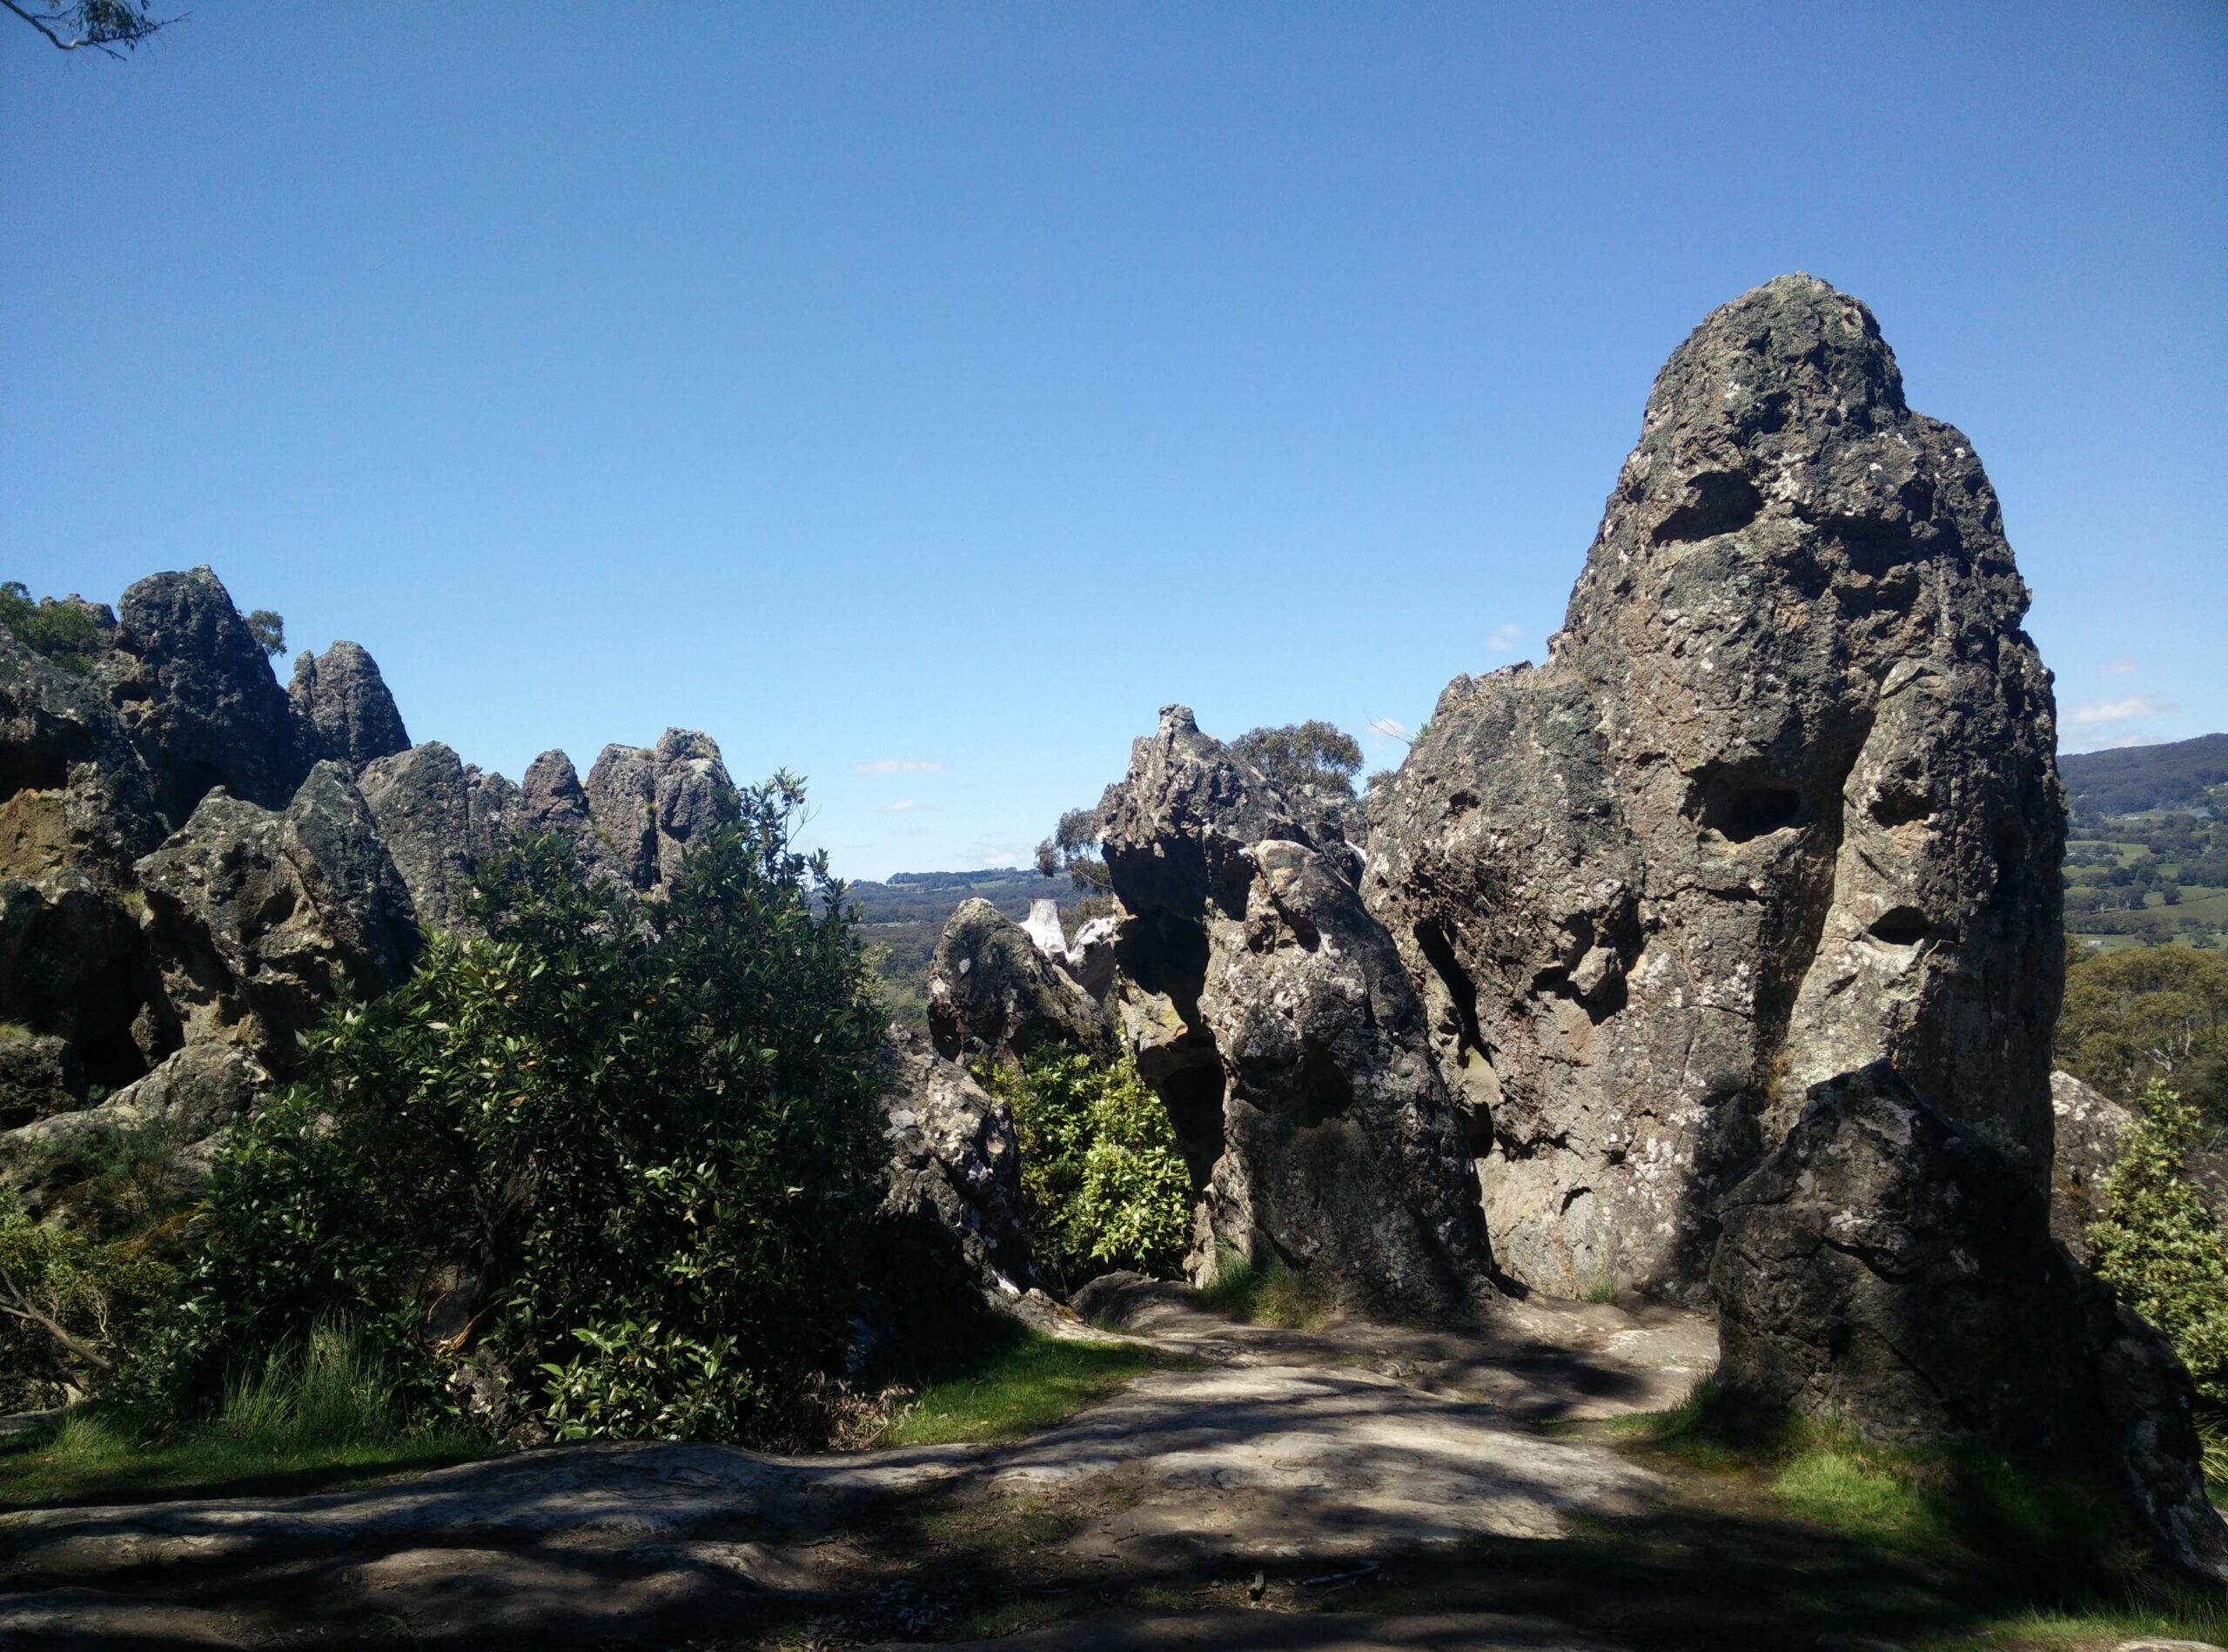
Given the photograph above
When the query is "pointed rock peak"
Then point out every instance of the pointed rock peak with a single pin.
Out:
(552, 780)
(348, 713)
(1791, 349)
(1177, 719)
(686, 745)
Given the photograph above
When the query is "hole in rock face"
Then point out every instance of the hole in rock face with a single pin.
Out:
(1900, 926)
(1722, 502)
(1740, 806)
(1899, 808)
(2009, 846)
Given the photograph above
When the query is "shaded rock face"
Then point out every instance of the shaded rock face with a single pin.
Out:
(1889, 1266)
(1782, 801)
(951, 1232)
(257, 920)
(71, 968)
(1278, 1024)
(39, 1075)
(73, 790)
(993, 993)
(197, 697)
(649, 804)
(440, 819)
(345, 709)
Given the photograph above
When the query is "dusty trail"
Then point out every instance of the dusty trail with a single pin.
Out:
(1297, 1452)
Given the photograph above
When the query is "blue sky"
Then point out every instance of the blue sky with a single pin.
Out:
(919, 397)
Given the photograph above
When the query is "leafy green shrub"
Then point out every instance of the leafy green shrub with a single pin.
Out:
(64, 632)
(1104, 1183)
(2161, 1245)
(71, 1308)
(625, 1147)
(2137, 1014)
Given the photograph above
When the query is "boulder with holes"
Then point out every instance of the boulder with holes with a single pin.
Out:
(1782, 800)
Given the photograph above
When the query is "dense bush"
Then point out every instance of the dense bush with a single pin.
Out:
(1104, 1183)
(64, 632)
(2134, 1015)
(621, 1149)
(71, 1308)
(2162, 1246)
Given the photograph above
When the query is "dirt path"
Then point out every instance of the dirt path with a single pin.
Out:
(1294, 1453)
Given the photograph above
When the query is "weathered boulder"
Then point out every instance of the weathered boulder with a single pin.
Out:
(70, 967)
(1892, 1267)
(258, 920)
(440, 819)
(175, 1112)
(1782, 801)
(2091, 1129)
(991, 993)
(951, 1232)
(38, 1075)
(1090, 955)
(1275, 1018)
(343, 707)
(649, 804)
(73, 791)
(196, 695)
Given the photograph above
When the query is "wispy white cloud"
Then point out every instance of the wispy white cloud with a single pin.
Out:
(2121, 666)
(2124, 710)
(1391, 728)
(899, 766)
(903, 806)
(1504, 637)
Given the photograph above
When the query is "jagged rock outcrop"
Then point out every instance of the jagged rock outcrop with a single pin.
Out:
(196, 698)
(441, 818)
(951, 1232)
(177, 1108)
(73, 790)
(650, 803)
(1894, 1268)
(992, 991)
(1275, 1018)
(2092, 1130)
(257, 920)
(1782, 801)
(344, 706)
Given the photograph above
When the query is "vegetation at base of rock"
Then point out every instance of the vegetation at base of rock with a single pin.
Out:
(321, 1413)
(64, 632)
(621, 1151)
(2162, 1245)
(1104, 1183)
(999, 1380)
(2138, 1015)
(1266, 1293)
(71, 1308)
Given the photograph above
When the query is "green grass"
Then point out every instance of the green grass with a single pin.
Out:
(1001, 1381)
(1602, 1290)
(321, 1418)
(1265, 1294)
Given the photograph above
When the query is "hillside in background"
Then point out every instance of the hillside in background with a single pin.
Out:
(903, 917)
(2134, 778)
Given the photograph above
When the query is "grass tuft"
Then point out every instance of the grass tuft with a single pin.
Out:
(1000, 1380)
(1265, 1294)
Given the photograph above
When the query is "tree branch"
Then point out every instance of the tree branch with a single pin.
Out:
(21, 1308)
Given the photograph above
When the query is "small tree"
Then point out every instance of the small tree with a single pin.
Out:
(1304, 756)
(64, 632)
(2160, 1243)
(1073, 849)
(268, 631)
(109, 27)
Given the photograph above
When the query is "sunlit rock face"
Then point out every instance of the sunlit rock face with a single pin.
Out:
(1782, 801)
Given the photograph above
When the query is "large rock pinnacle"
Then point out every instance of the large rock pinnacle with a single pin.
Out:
(1781, 801)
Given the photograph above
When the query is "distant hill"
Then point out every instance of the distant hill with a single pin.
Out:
(902, 918)
(2134, 778)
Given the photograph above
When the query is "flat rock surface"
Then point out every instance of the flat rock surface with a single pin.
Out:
(1267, 1447)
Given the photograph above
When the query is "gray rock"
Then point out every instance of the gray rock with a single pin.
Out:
(197, 697)
(1782, 801)
(345, 709)
(441, 820)
(258, 920)
(1275, 1018)
(2091, 1129)
(951, 1233)
(1090, 955)
(70, 967)
(1891, 1267)
(182, 1105)
(39, 1075)
(649, 804)
(73, 791)
(992, 993)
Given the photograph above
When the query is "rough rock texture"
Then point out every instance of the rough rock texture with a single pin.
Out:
(346, 711)
(1274, 1017)
(649, 804)
(2092, 1130)
(1782, 801)
(70, 967)
(186, 1099)
(951, 1232)
(1890, 1265)
(73, 791)
(992, 992)
(39, 1075)
(197, 696)
(257, 920)
(441, 818)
